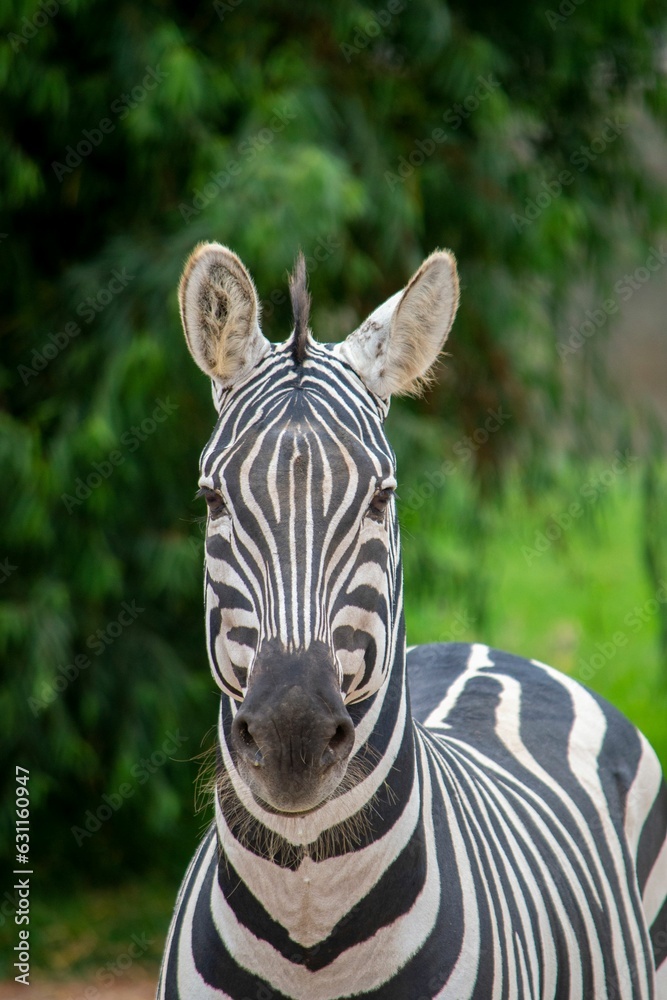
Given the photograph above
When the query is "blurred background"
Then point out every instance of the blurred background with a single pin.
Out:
(531, 139)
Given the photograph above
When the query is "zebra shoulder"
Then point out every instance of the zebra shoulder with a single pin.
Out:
(544, 732)
(532, 719)
(492, 699)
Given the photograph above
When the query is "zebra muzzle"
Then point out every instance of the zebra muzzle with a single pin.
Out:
(292, 735)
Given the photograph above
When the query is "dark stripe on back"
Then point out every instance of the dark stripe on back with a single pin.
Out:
(652, 836)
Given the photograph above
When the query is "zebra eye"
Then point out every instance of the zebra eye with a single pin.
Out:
(379, 502)
(216, 505)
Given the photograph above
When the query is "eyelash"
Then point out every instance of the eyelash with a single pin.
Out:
(216, 505)
(376, 509)
(379, 503)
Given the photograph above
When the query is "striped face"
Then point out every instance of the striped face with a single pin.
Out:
(303, 579)
(302, 539)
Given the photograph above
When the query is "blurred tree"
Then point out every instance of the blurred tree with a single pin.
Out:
(367, 135)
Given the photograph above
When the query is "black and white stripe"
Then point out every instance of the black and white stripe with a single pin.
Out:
(291, 572)
(513, 851)
(500, 833)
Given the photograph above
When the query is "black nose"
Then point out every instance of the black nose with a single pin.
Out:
(244, 741)
(293, 735)
(340, 745)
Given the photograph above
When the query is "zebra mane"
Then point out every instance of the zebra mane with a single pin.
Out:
(300, 296)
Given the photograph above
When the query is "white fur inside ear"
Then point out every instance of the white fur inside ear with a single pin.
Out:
(393, 350)
(220, 314)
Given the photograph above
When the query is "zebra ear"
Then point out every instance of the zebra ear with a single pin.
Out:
(220, 314)
(393, 350)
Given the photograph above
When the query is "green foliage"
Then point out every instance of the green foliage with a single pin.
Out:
(93, 933)
(130, 131)
(530, 577)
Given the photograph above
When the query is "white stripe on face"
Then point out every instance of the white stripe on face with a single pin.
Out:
(298, 454)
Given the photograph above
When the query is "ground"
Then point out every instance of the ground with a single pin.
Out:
(136, 984)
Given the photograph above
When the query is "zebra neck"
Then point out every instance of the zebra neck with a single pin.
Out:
(308, 873)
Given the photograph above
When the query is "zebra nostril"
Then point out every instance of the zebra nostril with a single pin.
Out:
(340, 745)
(244, 733)
(245, 739)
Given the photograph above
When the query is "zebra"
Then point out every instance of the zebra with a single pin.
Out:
(452, 821)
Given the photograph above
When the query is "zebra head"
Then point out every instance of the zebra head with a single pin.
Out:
(303, 586)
